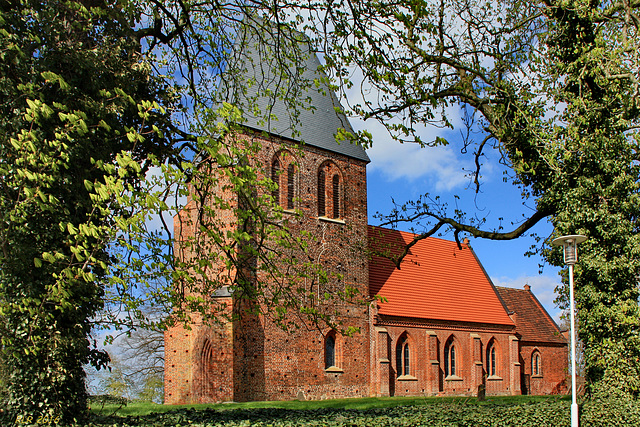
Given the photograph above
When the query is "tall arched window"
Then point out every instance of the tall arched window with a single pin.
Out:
(492, 359)
(291, 173)
(275, 177)
(283, 175)
(336, 195)
(403, 354)
(331, 351)
(536, 364)
(206, 366)
(322, 203)
(450, 358)
(330, 189)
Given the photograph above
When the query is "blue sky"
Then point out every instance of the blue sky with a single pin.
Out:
(406, 171)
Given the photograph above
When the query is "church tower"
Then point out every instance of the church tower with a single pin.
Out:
(323, 194)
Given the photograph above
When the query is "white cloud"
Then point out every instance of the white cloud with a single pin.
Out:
(440, 166)
(543, 287)
(409, 161)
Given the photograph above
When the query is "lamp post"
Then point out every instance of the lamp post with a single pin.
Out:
(570, 252)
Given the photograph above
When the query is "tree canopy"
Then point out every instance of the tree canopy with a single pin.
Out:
(110, 110)
(109, 107)
(76, 102)
(552, 86)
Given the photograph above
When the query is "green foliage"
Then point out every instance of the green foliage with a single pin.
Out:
(117, 383)
(73, 98)
(94, 148)
(550, 86)
(152, 389)
(610, 411)
(513, 411)
(364, 403)
(4, 379)
(596, 188)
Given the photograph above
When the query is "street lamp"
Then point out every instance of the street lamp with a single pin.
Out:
(570, 252)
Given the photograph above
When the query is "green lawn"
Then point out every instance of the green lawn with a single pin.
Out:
(507, 411)
(146, 408)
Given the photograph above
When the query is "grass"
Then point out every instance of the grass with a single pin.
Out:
(146, 408)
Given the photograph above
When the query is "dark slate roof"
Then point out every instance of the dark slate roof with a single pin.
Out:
(314, 120)
(533, 323)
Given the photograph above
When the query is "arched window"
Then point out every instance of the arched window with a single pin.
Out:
(322, 203)
(336, 195)
(275, 177)
(450, 358)
(283, 175)
(330, 189)
(536, 364)
(331, 350)
(403, 354)
(291, 173)
(206, 365)
(491, 360)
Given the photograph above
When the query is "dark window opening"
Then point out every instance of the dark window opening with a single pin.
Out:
(336, 196)
(535, 364)
(275, 177)
(491, 360)
(450, 360)
(330, 351)
(402, 356)
(321, 193)
(291, 171)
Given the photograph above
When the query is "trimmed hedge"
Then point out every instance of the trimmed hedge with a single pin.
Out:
(548, 413)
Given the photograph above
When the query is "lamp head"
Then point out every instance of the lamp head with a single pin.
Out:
(569, 247)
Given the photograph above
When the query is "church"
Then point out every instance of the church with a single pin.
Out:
(436, 326)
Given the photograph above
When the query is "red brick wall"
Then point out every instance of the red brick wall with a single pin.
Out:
(427, 373)
(282, 365)
(268, 363)
(252, 358)
(554, 370)
(187, 378)
(199, 362)
(178, 349)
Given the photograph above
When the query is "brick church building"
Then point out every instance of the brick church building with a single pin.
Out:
(441, 328)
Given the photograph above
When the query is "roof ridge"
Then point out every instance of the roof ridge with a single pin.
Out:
(411, 233)
(438, 282)
(515, 289)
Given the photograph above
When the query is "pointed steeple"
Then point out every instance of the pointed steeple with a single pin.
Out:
(284, 91)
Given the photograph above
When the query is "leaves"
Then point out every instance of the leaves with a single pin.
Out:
(552, 87)
(60, 139)
(429, 412)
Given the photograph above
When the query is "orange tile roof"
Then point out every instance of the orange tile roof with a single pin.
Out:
(436, 280)
(533, 322)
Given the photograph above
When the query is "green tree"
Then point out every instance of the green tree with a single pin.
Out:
(117, 382)
(552, 87)
(79, 110)
(109, 109)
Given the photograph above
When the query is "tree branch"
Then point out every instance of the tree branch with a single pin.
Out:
(460, 227)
